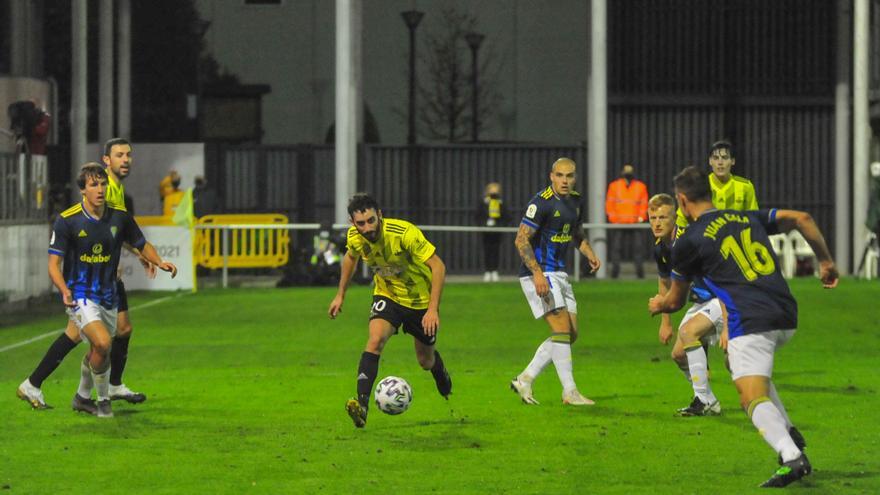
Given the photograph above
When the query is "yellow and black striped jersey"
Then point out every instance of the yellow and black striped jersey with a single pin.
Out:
(115, 195)
(397, 261)
(737, 194)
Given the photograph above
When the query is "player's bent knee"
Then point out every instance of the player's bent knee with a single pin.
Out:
(679, 356)
(101, 346)
(426, 362)
(374, 347)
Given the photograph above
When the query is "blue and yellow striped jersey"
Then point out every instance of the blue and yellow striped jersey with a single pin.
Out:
(731, 253)
(91, 250)
(555, 219)
(397, 261)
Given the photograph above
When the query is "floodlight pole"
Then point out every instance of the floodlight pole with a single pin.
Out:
(412, 18)
(474, 40)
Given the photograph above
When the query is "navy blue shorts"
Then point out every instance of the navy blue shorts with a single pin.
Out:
(411, 319)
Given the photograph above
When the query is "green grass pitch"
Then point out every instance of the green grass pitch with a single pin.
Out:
(247, 389)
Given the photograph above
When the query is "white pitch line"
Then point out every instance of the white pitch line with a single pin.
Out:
(55, 332)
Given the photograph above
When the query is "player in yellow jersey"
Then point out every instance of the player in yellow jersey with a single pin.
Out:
(408, 277)
(117, 159)
(729, 192)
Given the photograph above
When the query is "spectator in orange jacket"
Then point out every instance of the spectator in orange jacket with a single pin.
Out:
(626, 203)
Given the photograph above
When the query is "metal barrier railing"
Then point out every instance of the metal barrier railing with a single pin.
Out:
(222, 231)
(242, 241)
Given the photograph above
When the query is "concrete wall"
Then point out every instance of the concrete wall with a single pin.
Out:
(540, 49)
(23, 258)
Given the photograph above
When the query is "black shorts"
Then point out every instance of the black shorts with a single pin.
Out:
(123, 297)
(388, 310)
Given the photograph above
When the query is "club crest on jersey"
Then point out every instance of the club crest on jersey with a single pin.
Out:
(113, 230)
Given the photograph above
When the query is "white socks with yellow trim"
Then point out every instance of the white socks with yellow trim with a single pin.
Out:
(85, 379)
(102, 383)
(771, 425)
(698, 365)
(774, 398)
(560, 352)
(542, 358)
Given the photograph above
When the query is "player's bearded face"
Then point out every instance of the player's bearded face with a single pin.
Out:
(368, 224)
(119, 160)
(721, 163)
(95, 191)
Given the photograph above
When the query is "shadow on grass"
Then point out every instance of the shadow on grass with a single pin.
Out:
(845, 390)
(839, 475)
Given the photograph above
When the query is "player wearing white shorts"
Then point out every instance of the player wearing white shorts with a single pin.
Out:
(730, 250)
(117, 159)
(701, 325)
(83, 258)
(552, 220)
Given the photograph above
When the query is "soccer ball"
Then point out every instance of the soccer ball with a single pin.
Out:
(393, 395)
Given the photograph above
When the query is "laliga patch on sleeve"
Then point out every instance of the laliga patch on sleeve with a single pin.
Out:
(532, 209)
(52, 240)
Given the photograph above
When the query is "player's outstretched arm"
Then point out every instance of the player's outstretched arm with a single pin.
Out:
(57, 278)
(803, 222)
(672, 301)
(431, 320)
(349, 264)
(149, 252)
(524, 247)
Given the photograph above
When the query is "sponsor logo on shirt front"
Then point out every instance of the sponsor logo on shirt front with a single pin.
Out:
(96, 256)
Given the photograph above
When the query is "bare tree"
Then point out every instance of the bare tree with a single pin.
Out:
(445, 95)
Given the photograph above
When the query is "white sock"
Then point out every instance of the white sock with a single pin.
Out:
(561, 353)
(698, 365)
(85, 380)
(102, 384)
(540, 361)
(770, 424)
(774, 397)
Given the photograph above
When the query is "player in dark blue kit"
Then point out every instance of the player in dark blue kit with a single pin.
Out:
(553, 219)
(730, 251)
(84, 256)
(701, 326)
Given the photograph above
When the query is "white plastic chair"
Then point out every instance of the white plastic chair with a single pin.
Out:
(872, 256)
(782, 248)
(801, 249)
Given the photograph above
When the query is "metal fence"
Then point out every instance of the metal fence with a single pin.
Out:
(787, 151)
(23, 189)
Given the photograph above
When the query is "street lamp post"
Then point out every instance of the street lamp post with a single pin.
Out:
(412, 19)
(474, 40)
